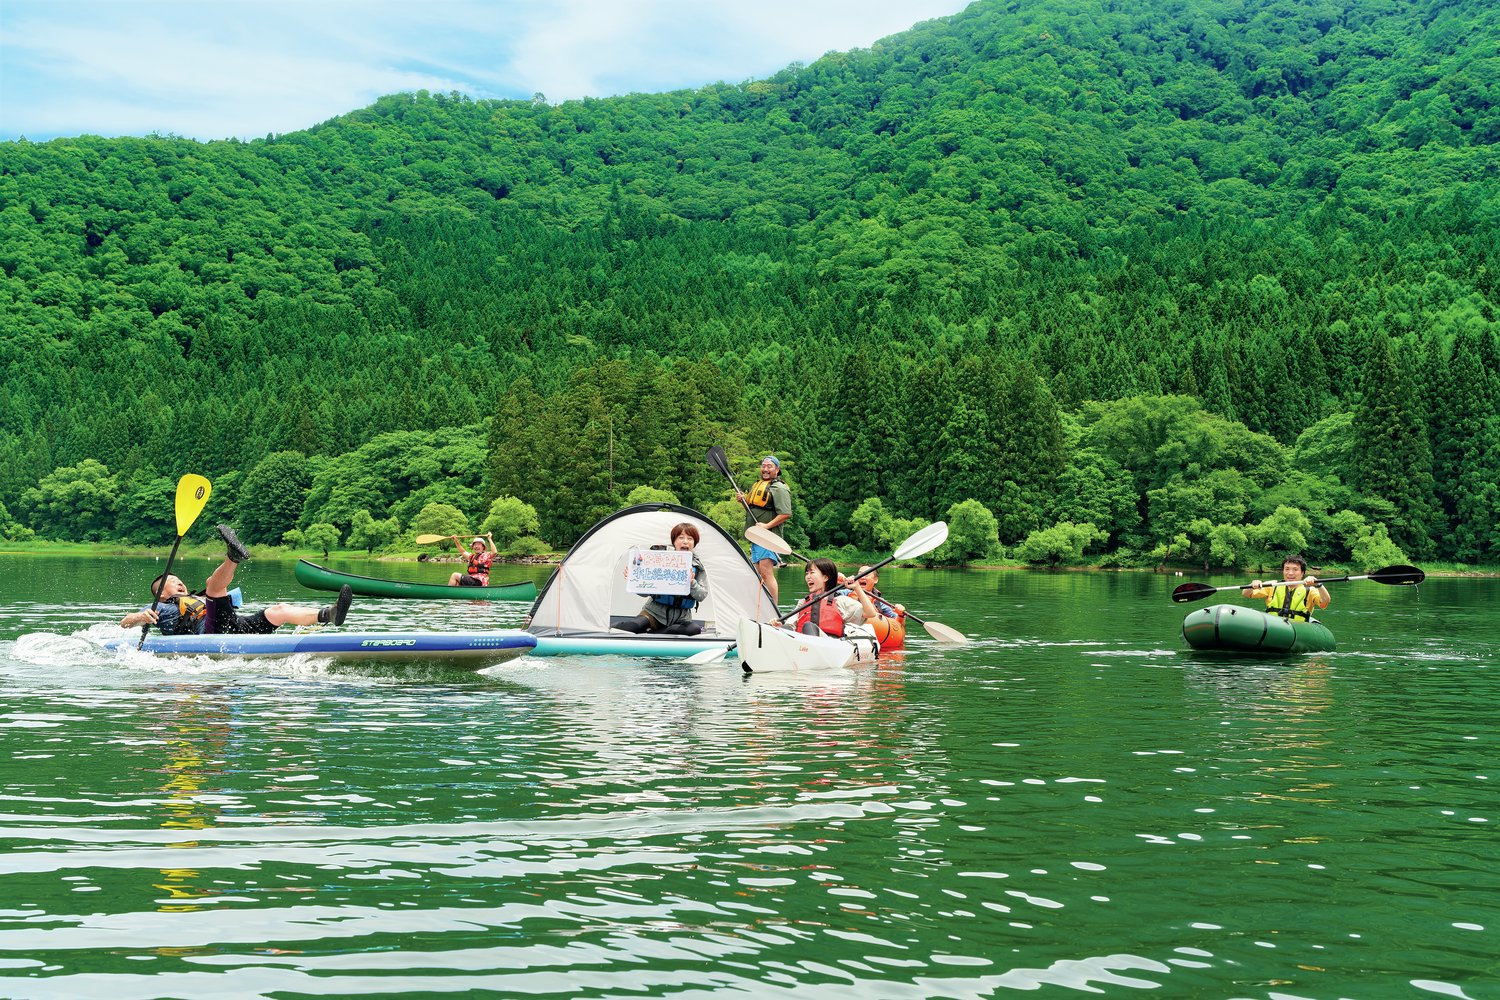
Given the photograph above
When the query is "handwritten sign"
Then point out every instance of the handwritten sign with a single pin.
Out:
(658, 571)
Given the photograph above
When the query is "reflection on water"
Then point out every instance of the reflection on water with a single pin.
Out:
(1068, 802)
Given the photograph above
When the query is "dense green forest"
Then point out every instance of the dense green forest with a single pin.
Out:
(1175, 271)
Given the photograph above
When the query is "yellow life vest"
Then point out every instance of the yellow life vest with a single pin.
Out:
(760, 493)
(190, 611)
(1290, 602)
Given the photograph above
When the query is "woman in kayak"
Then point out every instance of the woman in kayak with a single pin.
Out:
(836, 605)
(1296, 597)
(478, 570)
(672, 614)
(211, 610)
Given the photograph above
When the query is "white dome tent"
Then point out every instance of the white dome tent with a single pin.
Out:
(586, 593)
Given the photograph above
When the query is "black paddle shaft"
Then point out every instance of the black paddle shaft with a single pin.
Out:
(1393, 576)
(156, 597)
(814, 600)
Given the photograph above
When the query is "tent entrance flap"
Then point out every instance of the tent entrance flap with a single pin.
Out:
(587, 590)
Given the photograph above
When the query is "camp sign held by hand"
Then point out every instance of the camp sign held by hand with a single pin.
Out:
(658, 571)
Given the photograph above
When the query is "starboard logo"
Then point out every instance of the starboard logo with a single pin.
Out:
(389, 642)
(198, 495)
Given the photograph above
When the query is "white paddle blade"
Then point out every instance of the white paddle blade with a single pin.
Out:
(943, 633)
(767, 539)
(708, 656)
(924, 541)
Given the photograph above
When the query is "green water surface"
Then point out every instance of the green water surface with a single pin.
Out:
(1070, 805)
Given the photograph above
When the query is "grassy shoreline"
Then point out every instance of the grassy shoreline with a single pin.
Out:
(213, 548)
(216, 548)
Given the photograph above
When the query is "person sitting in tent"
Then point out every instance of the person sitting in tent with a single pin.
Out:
(890, 623)
(836, 605)
(478, 575)
(1296, 597)
(672, 614)
(178, 612)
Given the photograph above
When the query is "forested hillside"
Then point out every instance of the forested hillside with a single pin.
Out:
(1163, 268)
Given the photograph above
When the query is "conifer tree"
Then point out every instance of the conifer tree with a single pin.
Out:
(965, 465)
(853, 458)
(1032, 450)
(1465, 451)
(929, 406)
(1392, 456)
(1217, 397)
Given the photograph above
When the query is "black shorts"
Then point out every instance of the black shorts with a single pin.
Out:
(465, 580)
(225, 620)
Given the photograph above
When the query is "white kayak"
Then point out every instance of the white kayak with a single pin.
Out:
(764, 648)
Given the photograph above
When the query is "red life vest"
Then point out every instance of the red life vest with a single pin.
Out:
(479, 566)
(830, 619)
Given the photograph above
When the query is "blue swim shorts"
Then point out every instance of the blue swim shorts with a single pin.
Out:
(757, 553)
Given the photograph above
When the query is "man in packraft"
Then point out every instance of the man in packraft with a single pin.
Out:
(1297, 597)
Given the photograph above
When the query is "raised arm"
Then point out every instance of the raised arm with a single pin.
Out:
(866, 605)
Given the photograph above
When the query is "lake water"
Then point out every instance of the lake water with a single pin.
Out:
(1071, 804)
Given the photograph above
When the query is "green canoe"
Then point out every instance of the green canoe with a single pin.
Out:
(1230, 628)
(317, 577)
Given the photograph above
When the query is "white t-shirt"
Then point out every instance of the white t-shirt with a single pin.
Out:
(851, 610)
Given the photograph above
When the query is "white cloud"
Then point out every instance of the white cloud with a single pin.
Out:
(210, 70)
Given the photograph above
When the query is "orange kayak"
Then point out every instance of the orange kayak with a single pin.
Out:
(891, 633)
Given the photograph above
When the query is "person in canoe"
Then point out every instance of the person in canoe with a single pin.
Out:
(477, 572)
(672, 614)
(838, 605)
(212, 611)
(1297, 597)
(890, 623)
(768, 504)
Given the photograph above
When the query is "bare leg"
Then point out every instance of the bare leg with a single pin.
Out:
(290, 614)
(453, 579)
(218, 583)
(767, 570)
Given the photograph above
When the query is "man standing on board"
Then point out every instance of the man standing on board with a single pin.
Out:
(768, 504)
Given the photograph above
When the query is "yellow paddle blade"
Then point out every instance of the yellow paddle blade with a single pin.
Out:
(192, 494)
(429, 539)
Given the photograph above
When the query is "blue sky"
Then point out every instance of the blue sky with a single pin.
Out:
(217, 68)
